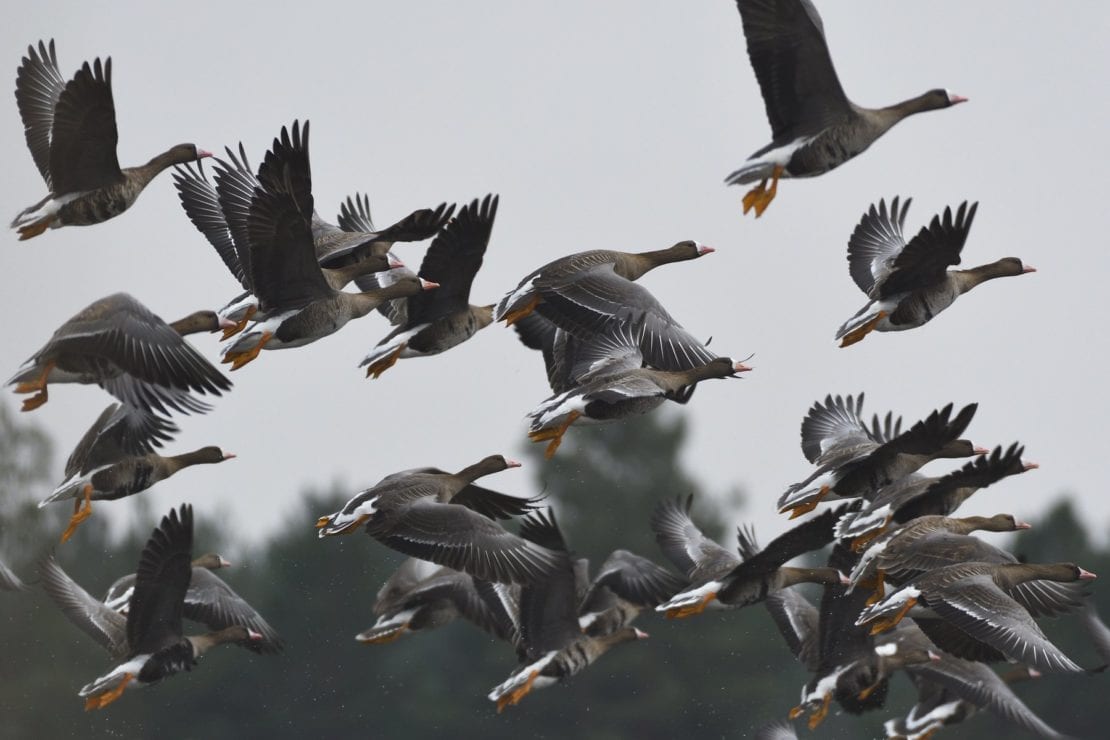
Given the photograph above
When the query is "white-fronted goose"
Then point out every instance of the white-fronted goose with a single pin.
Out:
(430, 323)
(973, 597)
(601, 311)
(762, 572)
(115, 459)
(567, 271)
(919, 496)
(910, 283)
(620, 388)
(801, 626)
(220, 212)
(553, 644)
(851, 466)
(898, 552)
(443, 517)
(814, 126)
(149, 640)
(612, 366)
(950, 690)
(847, 663)
(934, 547)
(625, 585)
(423, 596)
(122, 346)
(71, 132)
(898, 650)
(296, 301)
(696, 556)
(209, 601)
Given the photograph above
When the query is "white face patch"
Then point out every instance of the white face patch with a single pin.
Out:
(886, 650)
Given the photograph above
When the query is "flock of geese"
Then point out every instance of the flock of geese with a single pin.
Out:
(906, 587)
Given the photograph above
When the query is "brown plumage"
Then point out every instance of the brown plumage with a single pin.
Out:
(296, 303)
(814, 126)
(434, 322)
(71, 132)
(975, 599)
(152, 643)
(122, 346)
(560, 274)
(552, 644)
(909, 283)
(115, 459)
(445, 518)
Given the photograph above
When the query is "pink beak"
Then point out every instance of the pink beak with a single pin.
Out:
(229, 455)
(979, 450)
(1022, 525)
(510, 463)
(1086, 575)
(226, 323)
(1028, 268)
(201, 154)
(953, 99)
(428, 284)
(740, 367)
(703, 249)
(254, 635)
(1031, 465)
(641, 635)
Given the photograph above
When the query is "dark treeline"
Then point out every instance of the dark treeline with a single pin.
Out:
(719, 675)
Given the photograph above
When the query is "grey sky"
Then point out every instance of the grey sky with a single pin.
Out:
(601, 125)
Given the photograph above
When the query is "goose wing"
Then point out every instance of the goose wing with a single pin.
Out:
(787, 49)
(38, 86)
(84, 136)
(94, 618)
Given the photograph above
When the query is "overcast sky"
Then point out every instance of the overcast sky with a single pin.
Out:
(601, 125)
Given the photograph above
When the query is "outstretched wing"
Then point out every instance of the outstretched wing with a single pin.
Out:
(875, 244)
(38, 85)
(83, 145)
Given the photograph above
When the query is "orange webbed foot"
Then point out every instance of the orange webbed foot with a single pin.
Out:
(890, 622)
(517, 314)
(80, 512)
(240, 324)
(102, 700)
(819, 716)
(514, 696)
(554, 434)
(768, 194)
(379, 367)
(238, 359)
(32, 403)
(879, 589)
(682, 612)
(36, 386)
(803, 509)
(869, 690)
(857, 334)
(859, 544)
(30, 231)
(753, 196)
